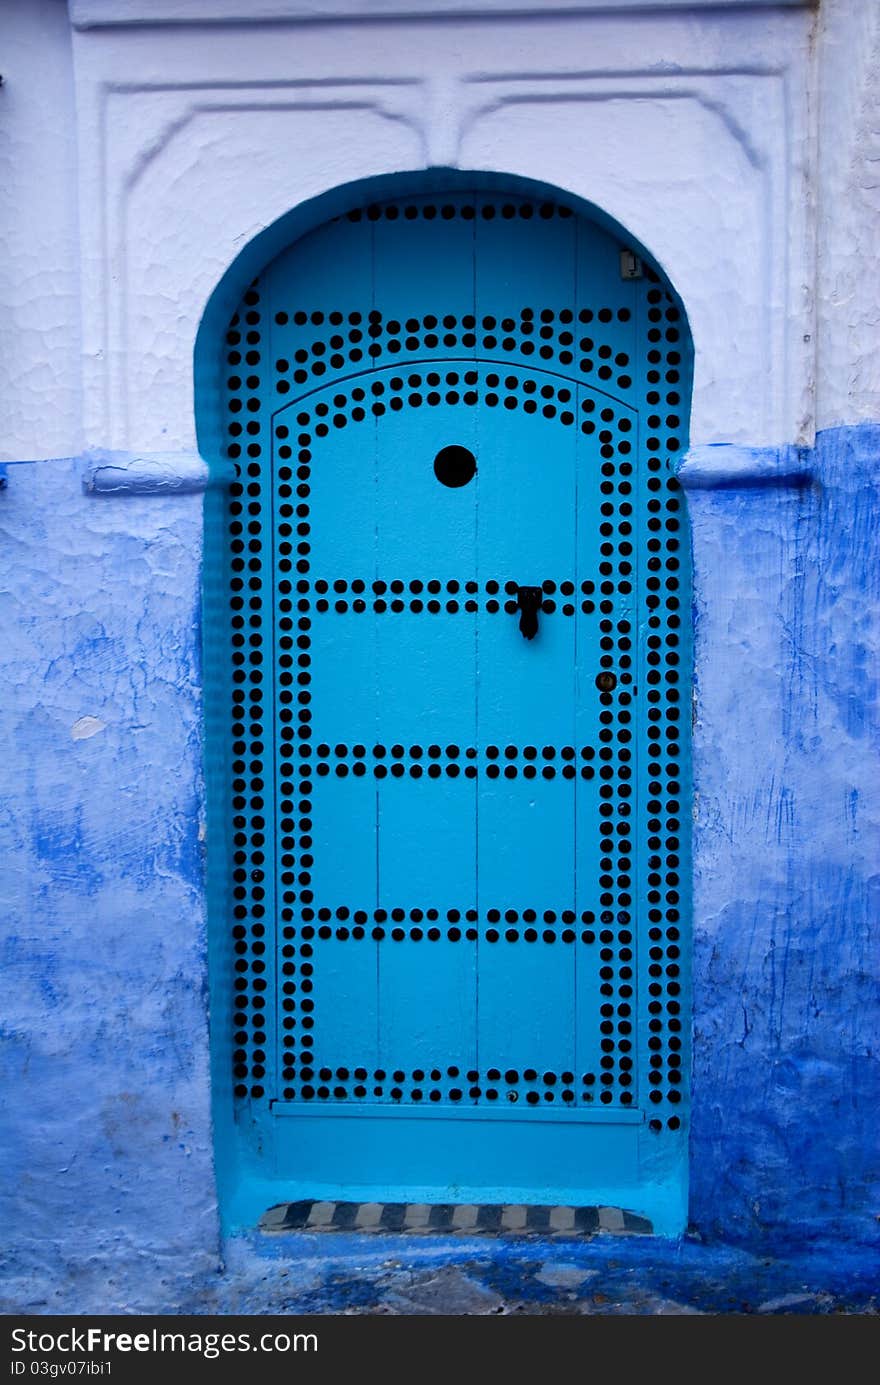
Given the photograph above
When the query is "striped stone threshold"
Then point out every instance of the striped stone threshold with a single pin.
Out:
(444, 1218)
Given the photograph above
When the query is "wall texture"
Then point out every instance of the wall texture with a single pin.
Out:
(714, 137)
(786, 999)
(847, 101)
(39, 268)
(107, 1141)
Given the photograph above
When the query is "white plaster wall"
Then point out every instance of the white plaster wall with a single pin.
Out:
(40, 405)
(848, 100)
(692, 129)
(732, 139)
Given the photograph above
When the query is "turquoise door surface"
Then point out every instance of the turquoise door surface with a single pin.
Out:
(458, 670)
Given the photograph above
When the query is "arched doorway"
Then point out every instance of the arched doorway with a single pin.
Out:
(448, 645)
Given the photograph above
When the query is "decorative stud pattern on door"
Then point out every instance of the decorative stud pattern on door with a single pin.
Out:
(458, 855)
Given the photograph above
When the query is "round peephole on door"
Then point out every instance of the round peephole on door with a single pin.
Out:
(454, 466)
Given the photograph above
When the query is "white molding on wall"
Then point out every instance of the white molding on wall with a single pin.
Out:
(88, 14)
(753, 378)
(187, 151)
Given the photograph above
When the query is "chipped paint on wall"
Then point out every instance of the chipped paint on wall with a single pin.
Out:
(107, 1159)
(108, 1179)
(787, 848)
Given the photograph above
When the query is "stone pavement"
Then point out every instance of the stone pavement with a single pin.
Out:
(311, 1272)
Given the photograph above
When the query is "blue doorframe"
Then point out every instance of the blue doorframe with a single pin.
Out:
(449, 853)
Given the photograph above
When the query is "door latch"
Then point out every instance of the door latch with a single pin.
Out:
(529, 601)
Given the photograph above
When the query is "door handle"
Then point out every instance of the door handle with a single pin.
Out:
(529, 601)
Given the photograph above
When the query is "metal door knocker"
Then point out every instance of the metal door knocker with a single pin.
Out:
(529, 600)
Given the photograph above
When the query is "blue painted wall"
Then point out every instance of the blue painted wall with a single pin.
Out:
(106, 1180)
(787, 838)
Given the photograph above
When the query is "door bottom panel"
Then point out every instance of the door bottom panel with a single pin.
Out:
(418, 1158)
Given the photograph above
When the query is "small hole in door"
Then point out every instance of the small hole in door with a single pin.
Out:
(454, 466)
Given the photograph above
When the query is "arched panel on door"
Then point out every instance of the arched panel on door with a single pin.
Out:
(449, 666)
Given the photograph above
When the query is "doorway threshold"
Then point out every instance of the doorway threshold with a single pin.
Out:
(463, 1219)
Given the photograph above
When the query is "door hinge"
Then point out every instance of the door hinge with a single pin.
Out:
(631, 266)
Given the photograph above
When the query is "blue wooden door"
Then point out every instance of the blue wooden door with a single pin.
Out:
(460, 567)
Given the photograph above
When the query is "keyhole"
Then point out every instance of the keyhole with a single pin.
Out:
(454, 466)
